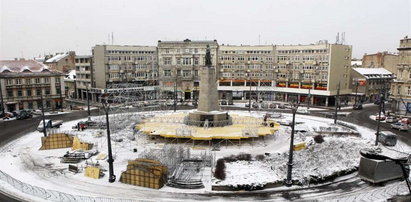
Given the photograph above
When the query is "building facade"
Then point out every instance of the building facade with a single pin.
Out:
(285, 73)
(63, 62)
(401, 87)
(269, 72)
(117, 67)
(385, 60)
(368, 84)
(23, 82)
(179, 63)
(84, 75)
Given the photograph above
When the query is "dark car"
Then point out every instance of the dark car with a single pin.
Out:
(24, 115)
(357, 106)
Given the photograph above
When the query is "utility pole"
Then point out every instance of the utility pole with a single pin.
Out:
(106, 106)
(379, 114)
(175, 92)
(3, 108)
(309, 98)
(337, 97)
(88, 103)
(42, 112)
(289, 181)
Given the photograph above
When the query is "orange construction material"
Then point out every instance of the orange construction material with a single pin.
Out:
(145, 173)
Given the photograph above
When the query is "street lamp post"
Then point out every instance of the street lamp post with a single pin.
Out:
(42, 113)
(88, 103)
(289, 181)
(61, 98)
(356, 91)
(110, 160)
(382, 91)
(337, 97)
(3, 108)
(249, 94)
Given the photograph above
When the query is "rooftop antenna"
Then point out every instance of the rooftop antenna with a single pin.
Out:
(343, 38)
(112, 38)
(337, 39)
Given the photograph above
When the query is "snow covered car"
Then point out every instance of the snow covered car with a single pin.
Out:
(400, 126)
(49, 124)
(387, 138)
(381, 118)
(391, 119)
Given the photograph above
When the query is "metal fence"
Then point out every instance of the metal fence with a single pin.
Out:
(52, 195)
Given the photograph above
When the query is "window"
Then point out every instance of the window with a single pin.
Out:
(196, 62)
(178, 61)
(195, 50)
(18, 81)
(58, 90)
(57, 79)
(167, 61)
(38, 92)
(37, 80)
(47, 80)
(19, 93)
(186, 61)
(9, 82)
(47, 91)
(409, 90)
(167, 72)
(28, 92)
(28, 81)
(9, 93)
(186, 73)
(195, 72)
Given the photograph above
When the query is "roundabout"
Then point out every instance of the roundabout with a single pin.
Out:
(39, 175)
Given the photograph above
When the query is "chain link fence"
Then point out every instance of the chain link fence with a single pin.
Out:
(52, 195)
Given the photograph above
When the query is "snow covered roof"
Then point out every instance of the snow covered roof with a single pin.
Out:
(356, 63)
(57, 57)
(71, 75)
(11, 67)
(374, 73)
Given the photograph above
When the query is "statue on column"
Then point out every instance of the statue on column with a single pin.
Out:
(208, 57)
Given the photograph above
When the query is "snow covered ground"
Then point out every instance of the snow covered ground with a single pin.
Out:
(23, 161)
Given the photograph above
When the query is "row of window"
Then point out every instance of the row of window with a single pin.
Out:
(243, 58)
(129, 52)
(129, 67)
(30, 92)
(82, 60)
(182, 50)
(130, 58)
(304, 67)
(182, 61)
(132, 75)
(31, 81)
(304, 58)
(184, 73)
(302, 51)
(247, 52)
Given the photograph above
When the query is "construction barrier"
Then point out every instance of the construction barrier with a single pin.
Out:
(92, 172)
(299, 146)
(145, 173)
(56, 141)
(77, 144)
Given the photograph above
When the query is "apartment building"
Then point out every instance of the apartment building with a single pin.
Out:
(369, 83)
(401, 87)
(63, 62)
(242, 67)
(23, 82)
(386, 60)
(117, 67)
(179, 63)
(287, 72)
(84, 75)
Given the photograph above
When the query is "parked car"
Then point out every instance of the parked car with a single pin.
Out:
(381, 118)
(8, 115)
(223, 102)
(24, 114)
(400, 126)
(273, 106)
(265, 105)
(387, 138)
(391, 119)
(255, 105)
(357, 107)
(49, 124)
(406, 120)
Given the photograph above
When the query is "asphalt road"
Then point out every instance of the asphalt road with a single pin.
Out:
(10, 130)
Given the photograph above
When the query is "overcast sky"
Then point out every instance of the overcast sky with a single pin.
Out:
(31, 28)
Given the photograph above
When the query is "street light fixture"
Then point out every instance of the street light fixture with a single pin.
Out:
(289, 182)
(106, 107)
(249, 83)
